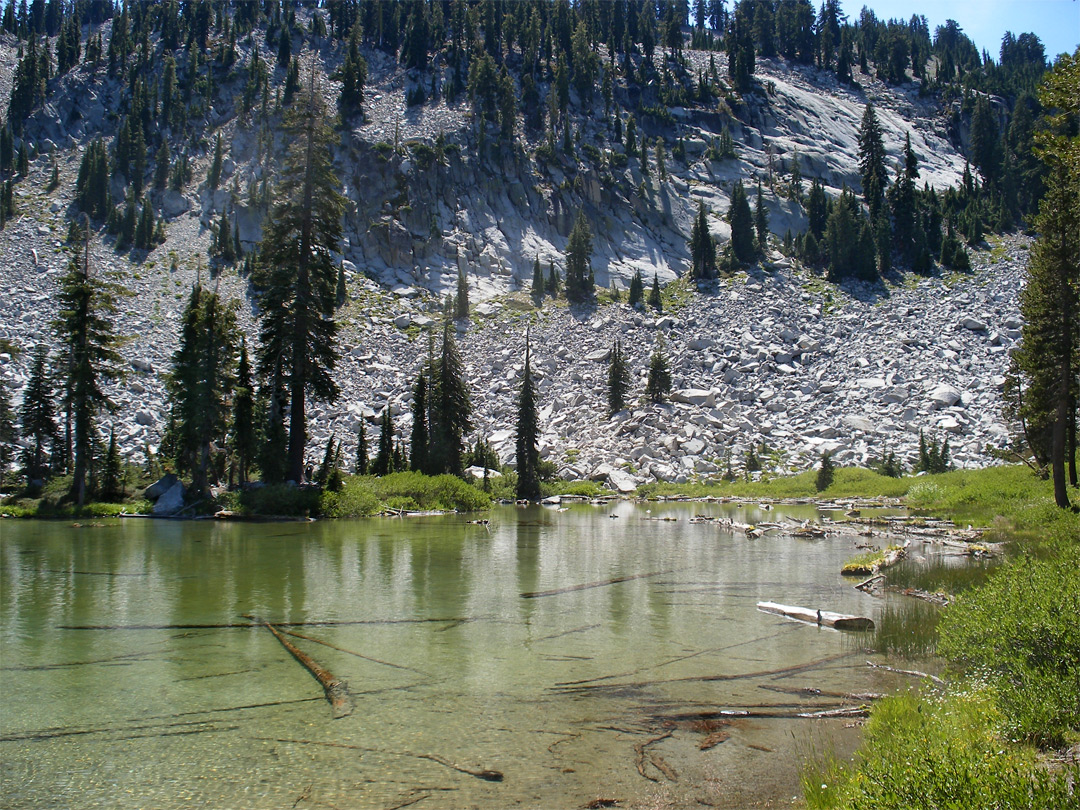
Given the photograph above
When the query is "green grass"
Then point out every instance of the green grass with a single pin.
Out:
(938, 752)
(861, 564)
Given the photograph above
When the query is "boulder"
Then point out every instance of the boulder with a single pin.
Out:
(694, 396)
(860, 423)
(622, 481)
(161, 486)
(944, 396)
(171, 501)
(974, 324)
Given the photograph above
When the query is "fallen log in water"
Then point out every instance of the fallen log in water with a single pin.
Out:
(841, 621)
(486, 775)
(912, 672)
(639, 752)
(587, 585)
(337, 692)
(358, 655)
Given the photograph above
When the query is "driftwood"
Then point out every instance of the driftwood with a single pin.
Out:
(912, 672)
(841, 621)
(486, 775)
(254, 623)
(350, 652)
(847, 711)
(868, 584)
(588, 585)
(337, 692)
(713, 740)
(891, 556)
(639, 751)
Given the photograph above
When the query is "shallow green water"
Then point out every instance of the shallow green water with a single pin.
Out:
(555, 692)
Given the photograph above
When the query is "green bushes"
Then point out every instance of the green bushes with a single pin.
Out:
(1020, 634)
(354, 499)
(429, 491)
(937, 753)
(280, 499)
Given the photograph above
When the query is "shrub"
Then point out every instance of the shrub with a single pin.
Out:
(430, 491)
(1020, 634)
(281, 499)
(943, 752)
(354, 499)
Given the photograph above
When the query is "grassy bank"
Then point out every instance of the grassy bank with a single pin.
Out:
(991, 738)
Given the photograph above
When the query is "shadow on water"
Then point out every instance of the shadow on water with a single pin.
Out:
(947, 575)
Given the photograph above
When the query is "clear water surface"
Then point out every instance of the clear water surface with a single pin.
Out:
(590, 693)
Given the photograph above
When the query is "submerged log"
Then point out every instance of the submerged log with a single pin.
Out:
(337, 692)
(586, 586)
(841, 621)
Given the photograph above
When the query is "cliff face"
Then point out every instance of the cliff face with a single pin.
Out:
(776, 355)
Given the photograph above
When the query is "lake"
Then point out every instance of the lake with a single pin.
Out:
(114, 696)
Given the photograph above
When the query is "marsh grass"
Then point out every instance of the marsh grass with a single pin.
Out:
(942, 575)
(906, 628)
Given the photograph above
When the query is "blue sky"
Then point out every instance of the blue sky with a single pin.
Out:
(1055, 22)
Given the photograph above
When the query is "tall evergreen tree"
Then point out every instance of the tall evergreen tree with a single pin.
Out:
(637, 289)
(461, 300)
(297, 330)
(1048, 357)
(201, 384)
(655, 301)
(383, 463)
(451, 409)
(419, 439)
(761, 221)
(817, 208)
(87, 335)
(537, 282)
(244, 446)
(742, 225)
(702, 248)
(213, 176)
(7, 431)
(658, 382)
(579, 273)
(37, 416)
(618, 380)
(528, 435)
(872, 160)
(361, 449)
(112, 470)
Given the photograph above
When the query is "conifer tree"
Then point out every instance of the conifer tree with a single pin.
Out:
(451, 409)
(87, 334)
(1048, 357)
(361, 449)
(111, 474)
(528, 436)
(655, 301)
(658, 383)
(742, 225)
(297, 328)
(702, 248)
(537, 282)
(618, 380)
(872, 160)
(37, 417)
(244, 446)
(579, 274)
(795, 184)
(200, 384)
(383, 463)
(825, 472)
(461, 300)
(323, 473)
(7, 431)
(552, 280)
(213, 177)
(419, 439)
(817, 209)
(637, 289)
(761, 221)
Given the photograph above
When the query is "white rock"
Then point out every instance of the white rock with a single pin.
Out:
(944, 396)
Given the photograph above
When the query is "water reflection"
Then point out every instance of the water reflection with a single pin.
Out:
(424, 619)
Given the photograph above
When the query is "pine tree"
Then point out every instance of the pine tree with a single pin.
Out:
(112, 472)
(658, 383)
(419, 439)
(637, 289)
(86, 331)
(742, 225)
(213, 177)
(323, 473)
(579, 274)
(825, 472)
(795, 184)
(537, 282)
(618, 380)
(200, 384)
(1047, 358)
(528, 436)
(451, 409)
(552, 280)
(37, 417)
(702, 248)
(383, 464)
(655, 301)
(7, 432)
(361, 449)
(817, 209)
(872, 160)
(244, 446)
(461, 300)
(761, 221)
(297, 329)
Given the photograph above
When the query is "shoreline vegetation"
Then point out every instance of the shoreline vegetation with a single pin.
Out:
(1001, 730)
